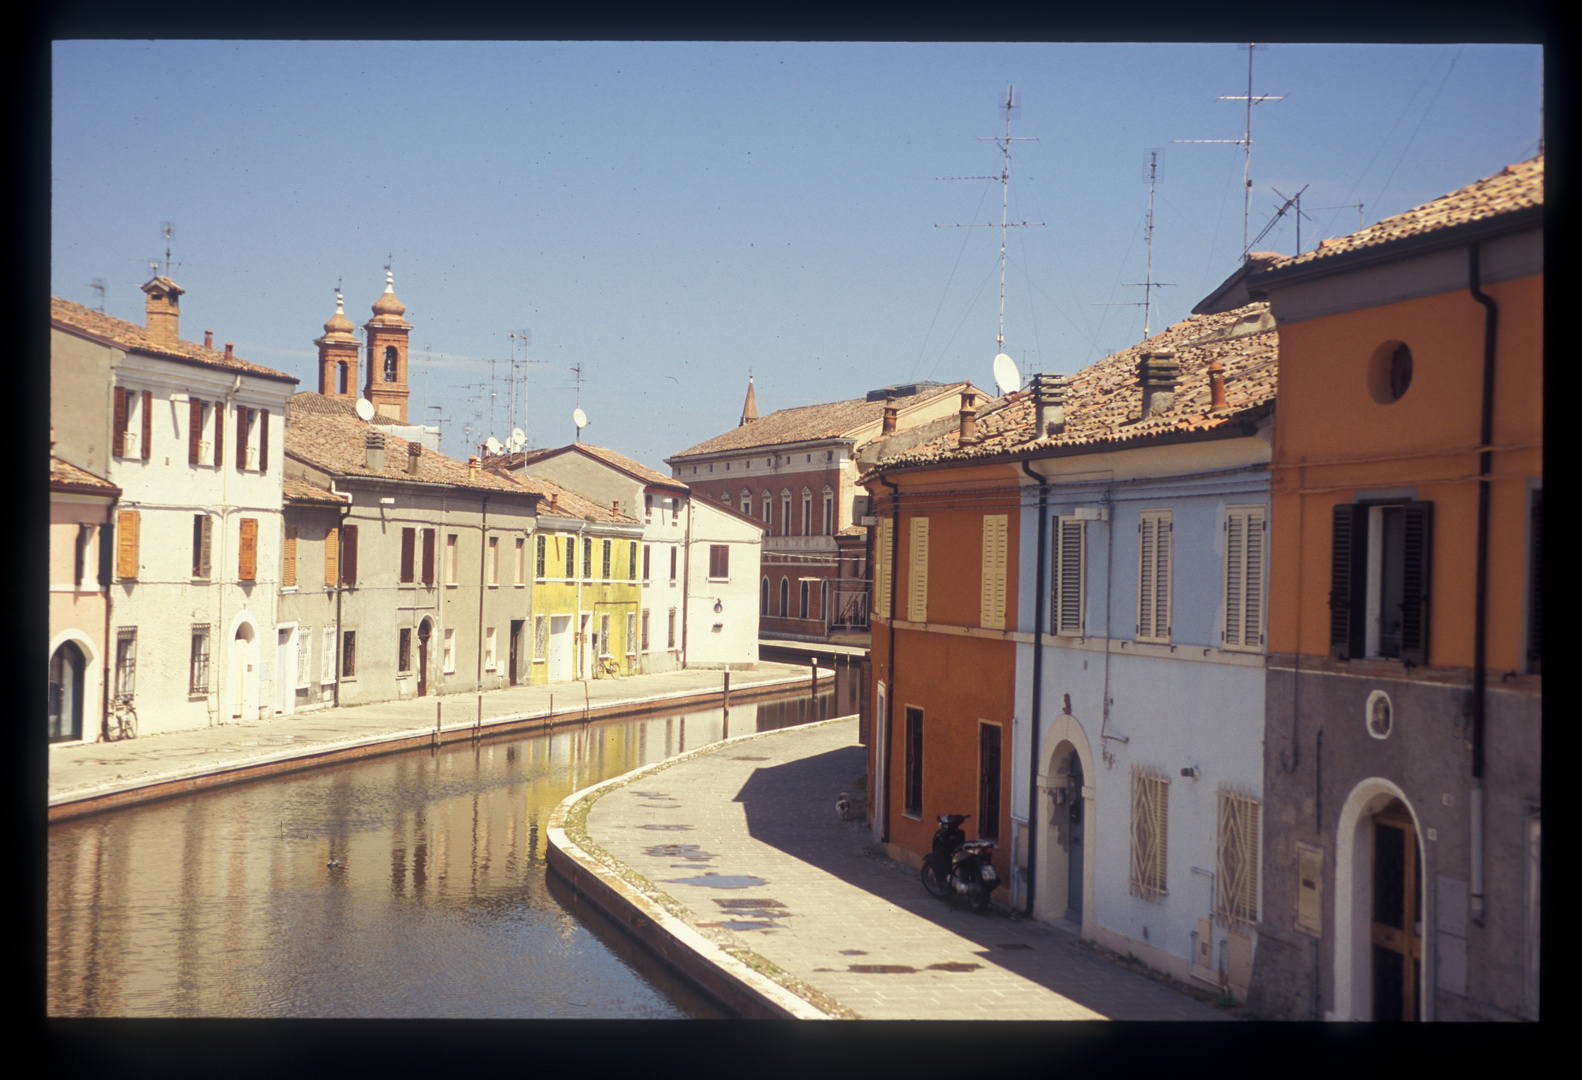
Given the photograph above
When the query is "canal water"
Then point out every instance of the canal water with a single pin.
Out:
(411, 885)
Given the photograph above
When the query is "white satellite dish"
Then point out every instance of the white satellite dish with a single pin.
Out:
(579, 418)
(1006, 377)
(365, 409)
(492, 445)
(518, 436)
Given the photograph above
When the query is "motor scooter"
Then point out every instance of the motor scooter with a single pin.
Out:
(958, 865)
(936, 865)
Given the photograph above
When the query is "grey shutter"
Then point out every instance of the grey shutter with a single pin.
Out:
(1414, 599)
(205, 545)
(1347, 579)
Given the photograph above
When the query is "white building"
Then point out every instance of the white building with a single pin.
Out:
(192, 435)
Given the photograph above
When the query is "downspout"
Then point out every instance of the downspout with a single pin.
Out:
(1480, 608)
(483, 587)
(106, 586)
(582, 644)
(217, 560)
(1038, 687)
(889, 695)
(686, 579)
(340, 553)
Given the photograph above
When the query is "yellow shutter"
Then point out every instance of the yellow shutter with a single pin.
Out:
(917, 572)
(126, 545)
(991, 602)
(288, 572)
(331, 556)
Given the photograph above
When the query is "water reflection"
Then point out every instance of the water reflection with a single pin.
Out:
(409, 885)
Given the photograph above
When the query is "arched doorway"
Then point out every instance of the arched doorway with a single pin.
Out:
(66, 669)
(1064, 870)
(1380, 918)
(244, 674)
(785, 597)
(425, 630)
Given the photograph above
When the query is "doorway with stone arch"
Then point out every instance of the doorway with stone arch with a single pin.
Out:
(68, 668)
(1064, 881)
(244, 673)
(425, 630)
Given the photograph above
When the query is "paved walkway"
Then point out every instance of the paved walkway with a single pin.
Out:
(96, 771)
(741, 842)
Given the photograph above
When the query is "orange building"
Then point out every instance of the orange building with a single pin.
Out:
(1404, 711)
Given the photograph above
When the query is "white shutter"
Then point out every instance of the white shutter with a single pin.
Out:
(1069, 551)
(1153, 575)
(1244, 565)
(991, 603)
(917, 572)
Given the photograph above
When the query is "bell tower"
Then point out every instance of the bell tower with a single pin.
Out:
(386, 387)
(338, 354)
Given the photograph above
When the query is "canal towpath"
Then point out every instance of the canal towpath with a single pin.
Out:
(732, 863)
(89, 777)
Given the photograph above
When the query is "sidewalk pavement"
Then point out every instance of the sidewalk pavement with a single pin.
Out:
(103, 774)
(736, 853)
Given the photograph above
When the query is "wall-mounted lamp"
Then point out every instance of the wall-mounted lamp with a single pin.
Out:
(719, 606)
(1190, 772)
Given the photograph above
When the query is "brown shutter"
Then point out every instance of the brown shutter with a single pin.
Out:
(118, 435)
(126, 545)
(331, 556)
(408, 554)
(243, 415)
(1347, 578)
(263, 441)
(205, 542)
(1414, 598)
(148, 425)
(349, 556)
(219, 434)
(194, 429)
(428, 556)
(247, 550)
(288, 571)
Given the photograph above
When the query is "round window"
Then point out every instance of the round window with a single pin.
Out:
(1390, 372)
(1379, 715)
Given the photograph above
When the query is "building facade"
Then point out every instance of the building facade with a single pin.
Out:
(81, 508)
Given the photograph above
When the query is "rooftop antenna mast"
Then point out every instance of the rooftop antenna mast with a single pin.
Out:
(525, 337)
(1293, 201)
(169, 229)
(1245, 142)
(98, 286)
(1148, 284)
(439, 421)
(1004, 178)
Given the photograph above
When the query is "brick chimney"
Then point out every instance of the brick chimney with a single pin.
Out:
(208, 339)
(374, 443)
(554, 502)
(414, 454)
(229, 356)
(162, 310)
(1216, 386)
(1049, 404)
(969, 417)
(890, 413)
(1158, 370)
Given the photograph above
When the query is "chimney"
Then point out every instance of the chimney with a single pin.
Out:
(229, 356)
(1158, 370)
(554, 502)
(208, 339)
(472, 468)
(414, 454)
(1216, 386)
(890, 411)
(374, 442)
(162, 310)
(1049, 404)
(969, 418)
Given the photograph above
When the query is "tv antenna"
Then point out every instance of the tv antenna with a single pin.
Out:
(169, 229)
(525, 339)
(98, 286)
(1293, 201)
(1344, 206)
(1005, 201)
(439, 421)
(1245, 142)
(1148, 284)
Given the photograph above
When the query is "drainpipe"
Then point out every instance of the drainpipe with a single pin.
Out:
(340, 553)
(218, 560)
(889, 696)
(1038, 687)
(1480, 608)
(582, 646)
(686, 579)
(483, 587)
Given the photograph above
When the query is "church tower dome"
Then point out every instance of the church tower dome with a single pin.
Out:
(338, 354)
(387, 331)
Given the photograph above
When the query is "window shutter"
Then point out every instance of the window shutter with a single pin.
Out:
(106, 550)
(118, 431)
(331, 556)
(1415, 583)
(647, 552)
(408, 554)
(147, 446)
(126, 545)
(428, 556)
(1069, 539)
(288, 573)
(349, 556)
(194, 429)
(1154, 533)
(247, 550)
(991, 601)
(219, 434)
(631, 560)
(882, 543)
(205, 545)
(263, 441)
(1347, 577)
(917, 572)
(243, 415)
(1252, 588)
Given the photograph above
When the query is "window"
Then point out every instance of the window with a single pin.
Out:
(331, 556)
(647, 551)
(587, 558)
(571, 558)
(392, 358)
(645, 630)
(747, 501)
(244, 430)
(648, 508)
(1236, 869)
(1150, 798)
(448, 656)
(631, 560)
(807, 512)
(763, 596)
(829, 512)
(604, 633)
(917, 572)
(327, 661)
(122, 408)
(1379, 581)
(785, 597)
(202, 542)
(719, 562)
(404, 649)
(80, 553)
(488, 649)
(304, 655)
(802, 601)
(408, 556)
(538, 564)
(540, 639)
(605, 562)
(989, 781)
(451, 555)
(521, 562)
(725, 498)
(672, 564)
(126, 553)
(785, 513)
(125, 663)
(1066, 599)
(768, 507)
(494, 560)
(198, 670)
(631, 633)
(428, 557)
(882, 543)
(670, 630)
(1155, 531)
(247, 549)
(194, 431)
(913, 804)
(349, 654)
(263, 441)
(219, 434)
(991, 599)
(288, 565)
(1245, 537)
(349, 555)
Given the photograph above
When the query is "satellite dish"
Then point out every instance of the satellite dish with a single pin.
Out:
(579, 418)
(492, 445)
(518, 436)
(1006, 377)
(365, 410)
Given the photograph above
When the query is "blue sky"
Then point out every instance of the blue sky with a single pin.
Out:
(671, 216)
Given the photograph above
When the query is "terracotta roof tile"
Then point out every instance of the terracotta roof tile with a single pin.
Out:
(336, 444)
(65, 476)
(829, 421)
(1103, 402)
(297, 490)
(130, 337)
(566, 503)
(323, 405)
(627, 465)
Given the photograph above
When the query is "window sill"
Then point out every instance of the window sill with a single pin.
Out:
(719, 580)
(283, 588)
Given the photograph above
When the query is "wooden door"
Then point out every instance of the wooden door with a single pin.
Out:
(1397, 916)
(516, 641)
(422, 660)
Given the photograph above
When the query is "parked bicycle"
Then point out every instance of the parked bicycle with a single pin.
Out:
(121, 721)
(609, 667)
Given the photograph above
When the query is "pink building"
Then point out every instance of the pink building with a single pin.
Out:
(79, 601)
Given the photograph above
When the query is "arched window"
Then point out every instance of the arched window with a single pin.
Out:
(341, 379)
(390, 363)
(785, 597)
(802, 611)
(66, 669)
(763, 597)
(785, 513)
